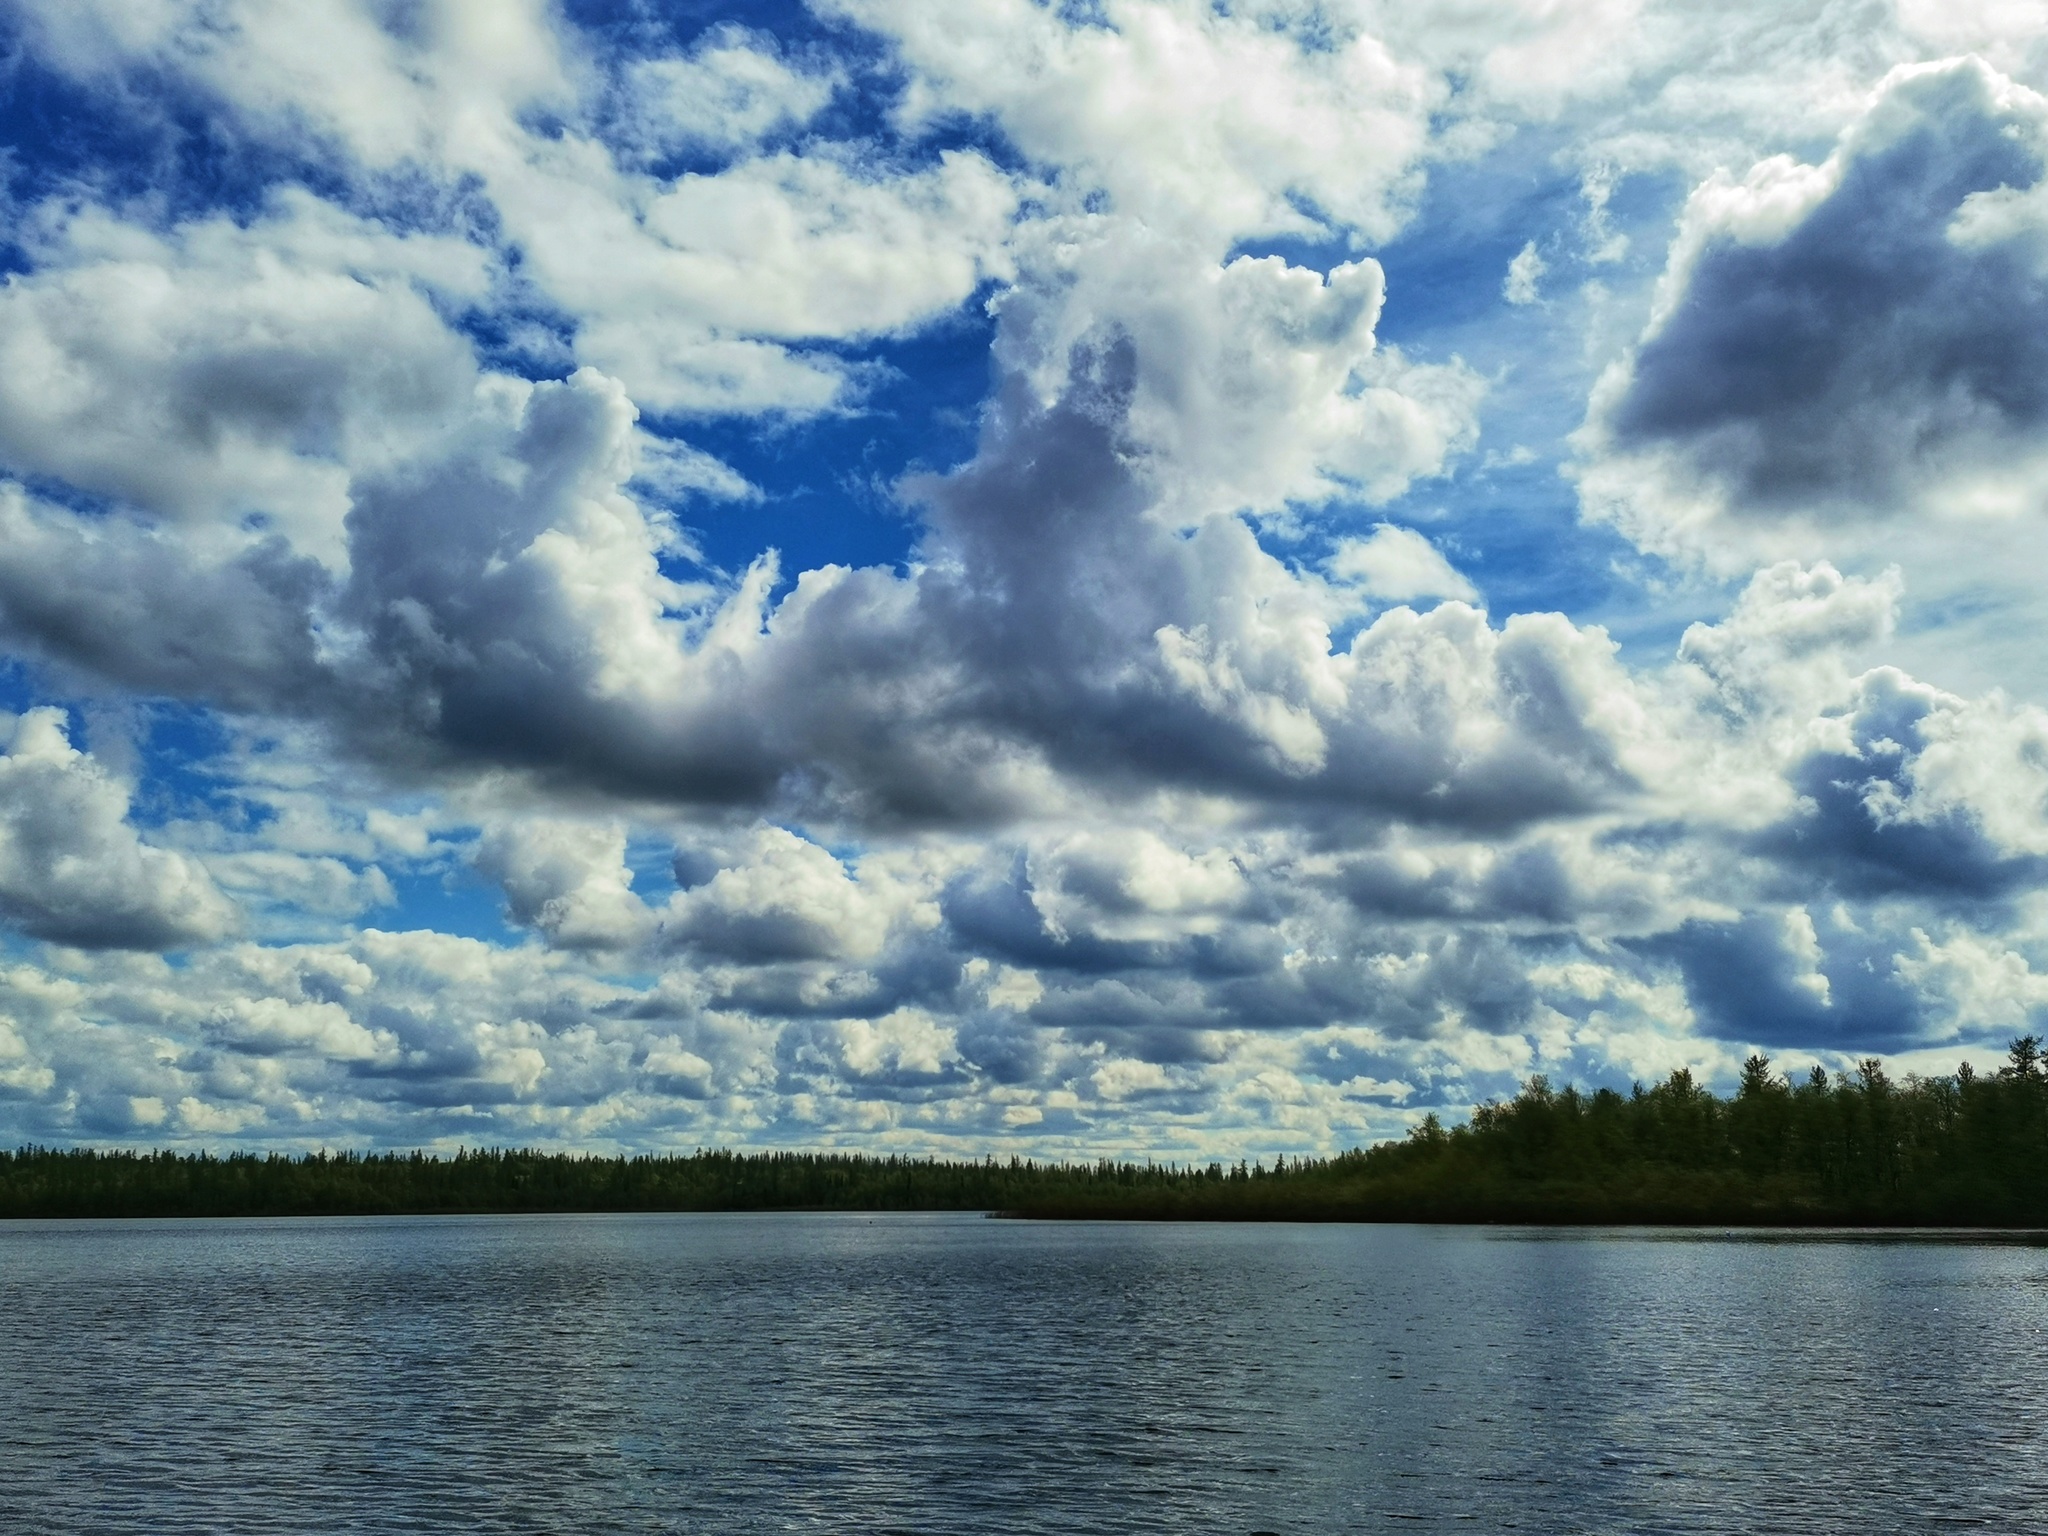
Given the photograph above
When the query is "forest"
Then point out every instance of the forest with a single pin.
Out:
(1858, 1148)
(39, 1181)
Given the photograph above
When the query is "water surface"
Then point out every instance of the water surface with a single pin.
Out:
(848, 1373)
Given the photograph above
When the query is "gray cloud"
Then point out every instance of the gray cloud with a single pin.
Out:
(121, 601)
(1864, 827)
(993, 914)
(507, 605)
(1843, 340)
(225, 371)
(1794, 979)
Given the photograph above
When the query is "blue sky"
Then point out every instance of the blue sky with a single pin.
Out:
(1154, 577)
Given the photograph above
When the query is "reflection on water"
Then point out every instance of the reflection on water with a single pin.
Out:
(770, 1373)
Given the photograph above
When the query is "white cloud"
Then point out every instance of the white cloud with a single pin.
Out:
(1789, 640)
(1255, 383)
(266, 1026)
(298, 887)
(787, 899)
(697, 292)
(1129, 885)
(568, 879)
(1171, 132)
(1199, 123)
(1525, 273)
(221, 373)
(72, 868)
(447, 85)
(1398, 565)
(733, 89)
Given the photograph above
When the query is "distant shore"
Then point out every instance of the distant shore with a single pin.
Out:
(1850, 1152)
(1858, 1150)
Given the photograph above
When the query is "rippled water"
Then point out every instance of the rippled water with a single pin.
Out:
(954, 1374)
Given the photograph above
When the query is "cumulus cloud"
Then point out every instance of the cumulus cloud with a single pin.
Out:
(1398, 565)
(1193, 120)
(1886, 803)
(567, 879)
(72, 867)
(1265, 386)
(1791, 978)
(699, 291)
(509, 604)
(1255, 383)
(1786, 644)
(702, 289)
(226, 374)
(297, 887)
(1170, 134)
(730, 91)
(1846, 341)
(336, 69)
(785, 899)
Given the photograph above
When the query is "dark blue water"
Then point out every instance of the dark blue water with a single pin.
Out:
(951, 1374)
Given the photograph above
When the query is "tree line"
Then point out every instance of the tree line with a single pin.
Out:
(52, 1182)
(1855, 1148)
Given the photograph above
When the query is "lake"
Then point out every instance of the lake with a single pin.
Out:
(854, 1373)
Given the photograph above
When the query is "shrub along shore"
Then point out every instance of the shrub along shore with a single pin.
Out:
(1859, 1149)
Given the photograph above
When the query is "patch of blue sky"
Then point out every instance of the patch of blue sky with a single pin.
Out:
(651, 861)
(828, 483)
(1506, 514)
(182, 752)
(174, 752)
(453, 900)
(21, 686)
(1317, 253)
(151, 143)
(649, 26)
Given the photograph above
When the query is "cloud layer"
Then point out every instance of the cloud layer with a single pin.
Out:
(398, 754)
